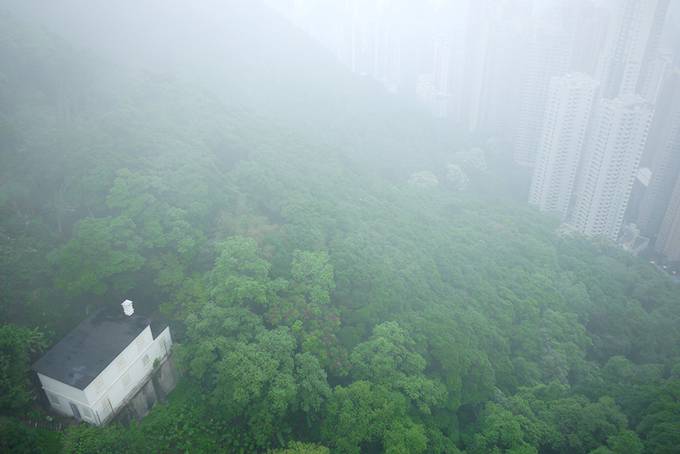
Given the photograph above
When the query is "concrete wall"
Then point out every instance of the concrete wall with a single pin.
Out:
(62, 395)
(113, 387)
(160, 384)
(121, 383)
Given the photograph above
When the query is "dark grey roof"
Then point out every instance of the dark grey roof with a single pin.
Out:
(158, 324)
(85, 352)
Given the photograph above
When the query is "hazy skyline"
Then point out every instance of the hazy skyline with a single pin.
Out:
(287, 227)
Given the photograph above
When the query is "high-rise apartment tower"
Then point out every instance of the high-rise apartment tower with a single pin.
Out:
(610, 164)
(662, 155)
(567, 116)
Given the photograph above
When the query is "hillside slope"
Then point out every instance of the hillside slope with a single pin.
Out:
(315, 294)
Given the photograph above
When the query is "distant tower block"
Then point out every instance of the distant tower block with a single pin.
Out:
(549, 56)
(567, 116)
(632, 45)
(668, 241)
(610, 165)
(662, 155)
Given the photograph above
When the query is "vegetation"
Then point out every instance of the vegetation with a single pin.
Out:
(319, 302)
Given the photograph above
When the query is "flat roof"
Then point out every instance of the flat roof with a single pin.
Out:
(86, 351)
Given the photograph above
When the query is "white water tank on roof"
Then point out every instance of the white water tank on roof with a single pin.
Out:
(128, 308)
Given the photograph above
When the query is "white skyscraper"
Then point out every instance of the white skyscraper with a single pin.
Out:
(632, 45)
(442, 65)
(668, 241)
(612, 155)
(433, 85)
(662, 156)
(488, 42)
(549, 56)
(659, 70)
(567, 115)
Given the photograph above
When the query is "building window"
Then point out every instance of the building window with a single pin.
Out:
(87, 413)
(75, 410)
(53, 398)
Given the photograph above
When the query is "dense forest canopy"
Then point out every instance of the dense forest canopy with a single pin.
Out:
(341, 272)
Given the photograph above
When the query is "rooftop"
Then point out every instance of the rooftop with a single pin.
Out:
(86, 351)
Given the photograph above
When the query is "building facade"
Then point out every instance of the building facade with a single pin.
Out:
(549, 56)
(610, 164)
(566, 121)
(632, 45)
(662, 155)
(668, 240)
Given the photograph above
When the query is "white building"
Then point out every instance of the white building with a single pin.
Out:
(97, 368)
(549, 56)
(489, 67)
(660, 69)
(610, 164)
(432, 87)
(662, 155)
(632, 45)
(567, 116)
(668, 241)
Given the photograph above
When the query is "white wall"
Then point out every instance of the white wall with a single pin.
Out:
(127, 373)
(116, 383)
(61, 395)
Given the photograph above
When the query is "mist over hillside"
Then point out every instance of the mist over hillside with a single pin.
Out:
(340, 270)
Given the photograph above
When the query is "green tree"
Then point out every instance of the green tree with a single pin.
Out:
(297, 447)
(362, 414)
(17, 346)
(388, 358)
(500, 432)
(16, 438)
(625, 442)
(658, 426)
(312, 275)
(313, 389)
(85, 439)
(102, 253)
(241, 275)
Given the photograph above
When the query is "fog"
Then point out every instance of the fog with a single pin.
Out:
(352, 226)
